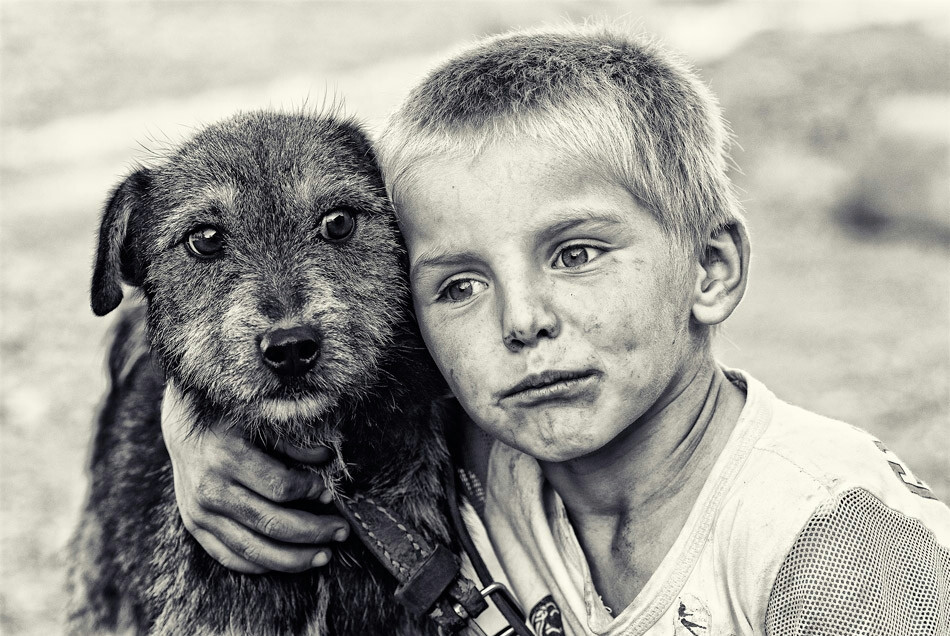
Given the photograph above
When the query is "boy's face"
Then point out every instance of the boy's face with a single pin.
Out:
(553, 303)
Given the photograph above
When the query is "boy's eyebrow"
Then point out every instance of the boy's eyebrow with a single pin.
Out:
(586, 217)
(444, 259)
(564, 221)
(578, 217)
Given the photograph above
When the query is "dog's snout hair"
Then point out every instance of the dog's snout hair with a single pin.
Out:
(279, 300)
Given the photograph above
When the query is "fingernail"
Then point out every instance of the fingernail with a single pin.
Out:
(321, 558)
(341, 534)
(326, 497)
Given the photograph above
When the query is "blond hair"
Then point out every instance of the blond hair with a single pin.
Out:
(608, 99)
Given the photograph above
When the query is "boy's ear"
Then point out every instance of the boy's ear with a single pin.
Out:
(116, 260)
(722, 275)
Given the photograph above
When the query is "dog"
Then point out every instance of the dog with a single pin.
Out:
(275, 294)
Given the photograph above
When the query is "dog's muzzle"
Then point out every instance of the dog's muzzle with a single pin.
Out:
(290, 352)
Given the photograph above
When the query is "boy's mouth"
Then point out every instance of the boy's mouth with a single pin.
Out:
(551, 385)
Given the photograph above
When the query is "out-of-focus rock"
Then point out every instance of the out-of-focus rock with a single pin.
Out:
(901, 183)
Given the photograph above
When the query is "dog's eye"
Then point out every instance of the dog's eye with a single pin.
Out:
(205, 242)
(337, 224)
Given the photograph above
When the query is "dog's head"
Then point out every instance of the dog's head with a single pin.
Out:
(271, 263)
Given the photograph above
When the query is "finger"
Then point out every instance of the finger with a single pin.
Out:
(223, 555)
(271, 555)
(176, 419)
(279, 523)
(272, 479)
(313, 456)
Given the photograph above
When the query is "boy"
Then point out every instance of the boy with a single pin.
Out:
(573, 239)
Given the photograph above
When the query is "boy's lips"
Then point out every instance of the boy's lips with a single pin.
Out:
(551, 385)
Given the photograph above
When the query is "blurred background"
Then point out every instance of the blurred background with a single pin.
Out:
(841, 109)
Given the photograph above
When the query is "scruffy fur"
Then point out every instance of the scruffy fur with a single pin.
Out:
(264, 181)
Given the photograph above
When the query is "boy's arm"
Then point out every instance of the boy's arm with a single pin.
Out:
(230, 493)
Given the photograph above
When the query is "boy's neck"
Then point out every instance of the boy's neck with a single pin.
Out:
(657, 453)
(644, 483)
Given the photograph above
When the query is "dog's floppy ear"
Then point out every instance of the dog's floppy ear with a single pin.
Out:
(116, 260)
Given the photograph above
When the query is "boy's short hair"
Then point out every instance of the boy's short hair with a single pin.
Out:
(606, 98)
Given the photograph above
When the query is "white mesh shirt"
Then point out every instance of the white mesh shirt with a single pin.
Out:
(859, 567)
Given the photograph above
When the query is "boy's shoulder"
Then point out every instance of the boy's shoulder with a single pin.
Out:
(818, 507)
(837, 457)
(802, 461)
(824, 514)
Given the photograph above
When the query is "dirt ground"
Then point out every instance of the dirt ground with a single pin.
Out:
(843, 167)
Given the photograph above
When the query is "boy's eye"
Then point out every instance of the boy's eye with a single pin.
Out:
(575, 256)
(459, 290)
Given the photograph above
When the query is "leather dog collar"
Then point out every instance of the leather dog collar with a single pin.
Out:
(429, 577)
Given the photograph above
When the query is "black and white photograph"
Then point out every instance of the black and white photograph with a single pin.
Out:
(526, 318)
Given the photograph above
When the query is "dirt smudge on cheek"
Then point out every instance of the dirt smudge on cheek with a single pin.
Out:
(593, 325)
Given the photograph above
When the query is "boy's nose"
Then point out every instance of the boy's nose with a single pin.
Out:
(518, 340)
(527, 318)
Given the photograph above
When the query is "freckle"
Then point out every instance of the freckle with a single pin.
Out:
(592, 326)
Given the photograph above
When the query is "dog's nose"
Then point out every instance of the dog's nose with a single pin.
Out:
(291, 351)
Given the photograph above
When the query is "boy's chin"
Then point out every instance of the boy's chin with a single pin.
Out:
(558, 451)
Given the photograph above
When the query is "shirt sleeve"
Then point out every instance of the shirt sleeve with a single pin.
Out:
(861, 567)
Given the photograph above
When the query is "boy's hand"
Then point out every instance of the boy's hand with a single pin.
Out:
(229, 492)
